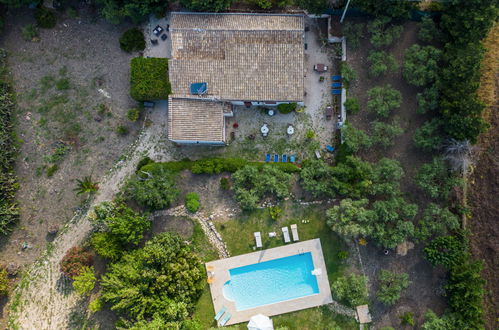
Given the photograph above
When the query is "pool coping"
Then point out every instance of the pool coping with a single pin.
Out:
(220, 269)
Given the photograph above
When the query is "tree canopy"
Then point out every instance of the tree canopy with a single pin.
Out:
(421, 65)
(436, 180)
(162, 280)
(383, 99)
(350, 218)
(391, 286)
(251, 184)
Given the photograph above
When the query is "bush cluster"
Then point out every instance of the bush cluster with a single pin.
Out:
(192, 203)
(153, 187)
(162, 280)
(45, 18)
(285, 108)
(8, 180)
(4, 282)
(74, 261)
(132, 40)
(149, 79)
(84, 282)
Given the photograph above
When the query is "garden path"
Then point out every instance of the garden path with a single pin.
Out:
(38, 302)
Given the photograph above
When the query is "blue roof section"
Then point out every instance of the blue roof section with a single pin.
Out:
(199, 88)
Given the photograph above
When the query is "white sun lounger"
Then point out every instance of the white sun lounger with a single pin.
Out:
(294, 231)
(285, 233)
(258, 239)
(220, 313)
(225, 319)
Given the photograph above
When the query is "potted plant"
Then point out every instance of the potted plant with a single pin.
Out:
(321, 78)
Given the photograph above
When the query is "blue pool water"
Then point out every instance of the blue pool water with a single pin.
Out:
(271, 281)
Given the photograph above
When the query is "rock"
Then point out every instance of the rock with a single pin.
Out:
(53, 229)
(12, 269)
(98, 119)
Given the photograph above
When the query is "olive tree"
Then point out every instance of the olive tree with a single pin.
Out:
(384, 133)
(436, 180)
(387, 174)
(391, 286)
(350, 218)
(383, 32)
(428, 137)
(383, 99)
(355, 139)
(421, 64)
(351, 289)
(436, 221)
(381, 63)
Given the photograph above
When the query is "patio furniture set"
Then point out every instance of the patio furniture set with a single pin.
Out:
(285, 234)
(158, 32)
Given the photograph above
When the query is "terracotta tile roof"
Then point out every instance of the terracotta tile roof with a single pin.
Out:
(196, 120)
(241, 56)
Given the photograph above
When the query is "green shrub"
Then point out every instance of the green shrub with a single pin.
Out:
(96, 305)
(132, 40)
(50, 171)
(428, 99)
(447, 251)
(4, 282)
(225, 183)
(252, 184)
(348, 74)
(149, 79)
(383, 99)
(387, 174)
(29, 32)
(351, 289)
(436, 180)
(133, 114)
(122, 130)
(381, 8)
(45, 18)
(342, 255)
(121, 223)
(381, 63)
(391, 286)
(192, 203)
(428, 137)
(355, 139)
(275, 212)
(106, 245)
(143, 162)
(62, 84)
(310, 134)
(84, 282)
(352, 105)
(407, 319)
(207, 5)
(74, 261)
(154, 188)
(286, 107)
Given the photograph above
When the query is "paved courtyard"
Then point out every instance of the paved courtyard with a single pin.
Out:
(219, 269)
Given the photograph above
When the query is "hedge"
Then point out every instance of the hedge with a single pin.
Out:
(214, 166)
(9, 212)
(149, 79)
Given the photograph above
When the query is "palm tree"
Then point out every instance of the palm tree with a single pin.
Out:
(86, 185)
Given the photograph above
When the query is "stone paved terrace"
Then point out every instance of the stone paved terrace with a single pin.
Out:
(221, 268)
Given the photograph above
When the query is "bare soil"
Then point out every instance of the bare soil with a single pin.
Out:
(425, 291)
(85, 51)
(483, 201)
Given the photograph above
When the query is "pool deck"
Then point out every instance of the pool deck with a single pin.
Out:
(220, 269)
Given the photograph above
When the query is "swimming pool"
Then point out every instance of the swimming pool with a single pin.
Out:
(271, 281)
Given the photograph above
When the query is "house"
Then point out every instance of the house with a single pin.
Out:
(220, 60)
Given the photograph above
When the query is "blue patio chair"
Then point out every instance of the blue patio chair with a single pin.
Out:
(330, 148)
(292, 158)
(284, 158)
(336, 77)
(267, 158)
(225, 319)
(220, 313)
(336, 85)
(336, 91)
(276, 158)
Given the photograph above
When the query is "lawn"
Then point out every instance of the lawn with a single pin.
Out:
(238, 235)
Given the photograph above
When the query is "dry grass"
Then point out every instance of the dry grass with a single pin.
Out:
(490, 69)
